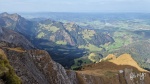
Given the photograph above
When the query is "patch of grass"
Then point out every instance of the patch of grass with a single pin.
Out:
(94, 57)
(10, 77)
(79, 62)
(18, 49)
(87, 34)
(61, 42)
(122, 38)
(53, 29)
(90, 47)
(49, 27)
(69, 26)
(117, 44)
(40, 35)
(7, 73)
(110, 74)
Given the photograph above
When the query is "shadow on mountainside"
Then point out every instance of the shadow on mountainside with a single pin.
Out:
(63, 54)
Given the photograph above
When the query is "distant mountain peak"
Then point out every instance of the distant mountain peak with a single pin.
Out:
(4, 14)
(14, 16)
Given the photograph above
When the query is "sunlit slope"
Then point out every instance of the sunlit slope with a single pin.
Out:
(126, 59)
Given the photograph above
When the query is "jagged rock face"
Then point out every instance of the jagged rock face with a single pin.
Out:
(25, 68)
(36, 66)
(54, 72)
(14, 38)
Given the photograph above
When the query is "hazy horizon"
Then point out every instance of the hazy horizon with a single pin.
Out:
(84, 6)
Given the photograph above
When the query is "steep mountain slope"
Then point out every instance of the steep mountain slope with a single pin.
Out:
(57, 32)
(15, 38)
(35, 66)
(17, 23)
(70, 34)
(7, 74)
(67, 35)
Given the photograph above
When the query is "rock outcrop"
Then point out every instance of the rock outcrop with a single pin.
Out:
(35, 66)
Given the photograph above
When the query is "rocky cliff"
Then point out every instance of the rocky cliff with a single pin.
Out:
(34, 66)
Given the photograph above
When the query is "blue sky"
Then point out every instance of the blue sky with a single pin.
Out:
(74, 5)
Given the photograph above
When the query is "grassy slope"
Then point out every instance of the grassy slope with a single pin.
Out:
(138, 50)
(6, 71)
(125, 42)
(109, 70)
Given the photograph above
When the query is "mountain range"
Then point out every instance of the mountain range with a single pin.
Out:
(55, 36)
(46, 71)
(30, 50)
